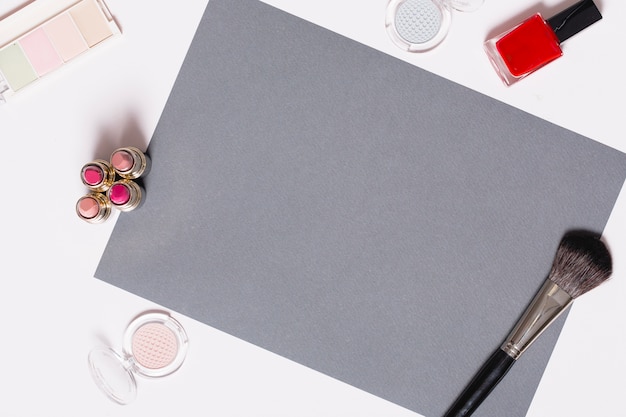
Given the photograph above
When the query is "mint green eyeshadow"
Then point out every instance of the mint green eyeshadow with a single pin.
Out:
(15, 67)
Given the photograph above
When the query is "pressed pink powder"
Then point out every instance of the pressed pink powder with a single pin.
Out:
(93, 175)
(154, 346)
(88, 207)
(119, 194)
(122, 161)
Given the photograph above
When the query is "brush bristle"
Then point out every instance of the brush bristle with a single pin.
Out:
(582, 263)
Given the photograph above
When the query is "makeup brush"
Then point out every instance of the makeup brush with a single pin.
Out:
(582, 262)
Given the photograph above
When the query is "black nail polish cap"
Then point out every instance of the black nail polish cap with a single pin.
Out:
(574, 19)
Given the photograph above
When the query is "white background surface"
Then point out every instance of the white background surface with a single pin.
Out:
(54, 311)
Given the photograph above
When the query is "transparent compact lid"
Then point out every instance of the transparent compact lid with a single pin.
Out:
(112, 375)
(420, 25)
(155, 345)
(465, 5)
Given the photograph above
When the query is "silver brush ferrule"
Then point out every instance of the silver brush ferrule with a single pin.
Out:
(547, 305)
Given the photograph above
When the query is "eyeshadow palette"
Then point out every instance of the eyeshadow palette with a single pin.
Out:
(49, 39)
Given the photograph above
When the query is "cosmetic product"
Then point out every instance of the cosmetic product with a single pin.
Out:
(582, 262)
(125, 195)
(155, 345)
(536, 42)
(130, 162)
(97, 175)
(44, 36)
(420, 25)
(93, 208)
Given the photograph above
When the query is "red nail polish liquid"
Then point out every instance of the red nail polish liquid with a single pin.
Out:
(536, 42)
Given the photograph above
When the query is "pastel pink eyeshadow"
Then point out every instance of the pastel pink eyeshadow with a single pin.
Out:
(40, 52)
(119, 194)
(122, 161)
(154, 346)
(65, 37)
(93, 175)
(88, 207)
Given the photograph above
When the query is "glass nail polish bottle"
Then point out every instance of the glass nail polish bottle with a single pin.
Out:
(536, 42)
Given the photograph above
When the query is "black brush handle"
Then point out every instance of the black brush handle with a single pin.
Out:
(481, 386)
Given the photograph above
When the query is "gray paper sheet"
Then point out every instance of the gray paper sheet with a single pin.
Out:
(354, 213)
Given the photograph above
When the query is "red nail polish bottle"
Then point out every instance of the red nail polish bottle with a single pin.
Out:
(535, 42)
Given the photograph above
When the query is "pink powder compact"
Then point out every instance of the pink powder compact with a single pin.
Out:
(155, 345)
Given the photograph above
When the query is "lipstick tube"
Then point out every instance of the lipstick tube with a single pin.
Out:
(125, 195)
(93, 208)
(536, 42)
(97, 175)
(130, 162)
